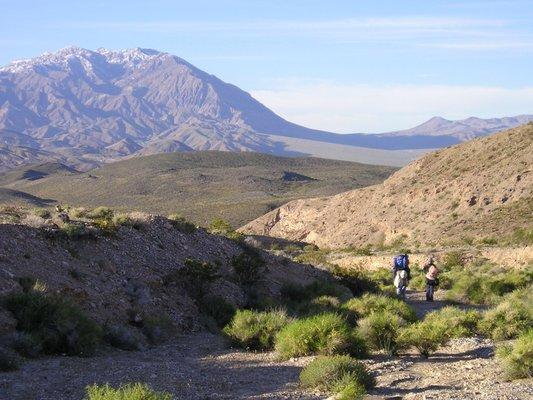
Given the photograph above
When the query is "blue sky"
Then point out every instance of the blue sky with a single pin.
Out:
(346, 66)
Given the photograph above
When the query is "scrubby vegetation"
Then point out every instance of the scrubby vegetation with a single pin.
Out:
(370, 303)
(517, 359)
(459, 323)
(381, 331)
(58, 325)
(256, 330)
(425, 336)
(8, 361)
(341, 375)
(248, 266)
(217, 308)
(326, 334)
(181, 224)
(132, 391)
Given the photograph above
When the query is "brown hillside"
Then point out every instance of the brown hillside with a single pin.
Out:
(479, 189)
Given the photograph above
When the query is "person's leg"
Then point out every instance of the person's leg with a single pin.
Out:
(428, 288)
(431, 290)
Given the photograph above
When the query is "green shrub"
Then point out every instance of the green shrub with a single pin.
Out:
(381, 330)
(181, 224)
(425, 336)
(132, 391)
(74, 231)
(218, 309)
(369, 303)
(522, 236)
(220, 227)
(42, 213)
(339, 374)
(320, 334)
(355, 280)
(453, 259)
(197, 276)
(248, 266)
(294, 293)
(517, 359)
(158, 328)
(511, 317)
(58, 325)
(8, 361)
(122, 337)
(256, 330)
(459, 323)
(101, 213)
(320, 305)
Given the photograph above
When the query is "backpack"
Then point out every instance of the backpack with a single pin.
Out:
(401, 261)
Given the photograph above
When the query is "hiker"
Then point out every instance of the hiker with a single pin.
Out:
(401, 273)
(432, 279)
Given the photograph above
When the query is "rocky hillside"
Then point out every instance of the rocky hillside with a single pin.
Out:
(137, 269)
(83, 107)
(479, 189)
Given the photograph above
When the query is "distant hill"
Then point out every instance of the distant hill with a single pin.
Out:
(200, 185)
(479, 189)
(82, 108)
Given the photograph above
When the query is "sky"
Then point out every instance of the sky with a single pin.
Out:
(338, 65)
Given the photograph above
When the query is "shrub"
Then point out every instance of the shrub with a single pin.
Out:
(453, 259)
(8, 361)
(517, 359)
(122, 337)
(73, 231)
(24, 344)
(220, 227)
(510, 318)
(256, 330)
(294, 293)
(131, 391)
(459, 323)
(157, 328)
(381, 330)
(197, 276)
(58, 325)
(425, 336)
(339, 374)
(42, 213)
(320, 305)
(369, 303)
(320, 334)
(248, 266)
(355, 280)
(181, 224)
(218, 309)
(101, 213)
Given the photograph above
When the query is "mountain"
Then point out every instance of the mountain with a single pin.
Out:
(200, 185)
(83, 108)
(479, 189)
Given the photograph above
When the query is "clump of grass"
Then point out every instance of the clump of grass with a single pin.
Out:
(425, 336)
(511, 317)
(131, 391)
(340, 374)
(8, 360)
(57, 324)
(356, 280)
(459, 323)
(219, 309)
(181, 224)
(256, 330)
(195, 276)
(248, 266)
(74, 230)
(381, 330)
(325, 334)
(101, 213)
(517, 359)
(157, 328)
(122, 337)
(292, 293)
(371, 303)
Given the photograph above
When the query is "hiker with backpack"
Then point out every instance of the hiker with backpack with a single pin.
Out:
(432, 279)
(401, 273)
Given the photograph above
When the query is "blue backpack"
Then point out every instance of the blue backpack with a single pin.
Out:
(401, 261)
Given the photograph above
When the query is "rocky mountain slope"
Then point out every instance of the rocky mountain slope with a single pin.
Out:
(83, 107)
(479, 189)
(238, 187)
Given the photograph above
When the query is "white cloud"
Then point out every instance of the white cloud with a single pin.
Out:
(365, 108)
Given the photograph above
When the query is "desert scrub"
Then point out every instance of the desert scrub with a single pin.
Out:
(8, 360)
(459, 323)
(511, 317)
(248, 266)
(218, 308)
(256, 330)
(517, 359)
(122, 337)
(325, 334)
(294, 294)
(425, 336)
(381, 329)
(181, 224)
(195, 276)
(369, 303)
(320, 305)
(101, 213)
(58, 325)
(131, 391)
(73, 230)
(355, 280)
(339, 374)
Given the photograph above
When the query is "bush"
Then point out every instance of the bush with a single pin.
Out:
(256, 330)
(321, 334)
(101, 213)
(370, 303)
(320, 305)
(294, 293)
(122, 337)
(381, 331)
(338, 374)
(355, 280)
(132, 391)
(181, 224)
(158, 328)
(512, 317)
(517, 359)
(218, 309)
(8, 361)
(248, 266)
(73, 231)
(24, 344)
(59, 326)
(453, 259)
(197, 276)
(425, 336)
(220, 227)
(459, 323)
